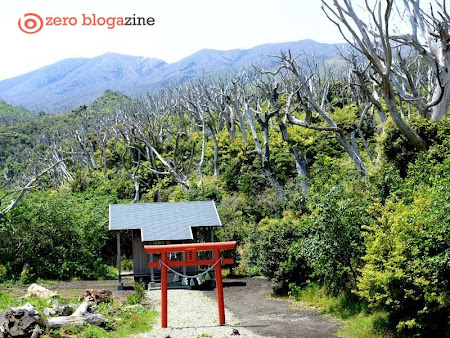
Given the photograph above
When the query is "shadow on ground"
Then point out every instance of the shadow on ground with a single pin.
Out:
(249, 299)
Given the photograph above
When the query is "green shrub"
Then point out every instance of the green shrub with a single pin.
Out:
(58, 235)
(333, 243)
(407, 271)
(126, 263)
(399, 151)
(3, 273)
(26, 276)
(269, 251)
(139, 293)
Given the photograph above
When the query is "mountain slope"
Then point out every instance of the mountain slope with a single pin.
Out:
(10, 115)
(72, 82)
(69, 83)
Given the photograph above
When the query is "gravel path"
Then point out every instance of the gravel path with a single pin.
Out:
(192, 314)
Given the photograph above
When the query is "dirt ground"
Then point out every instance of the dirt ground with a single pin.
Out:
(72, 290)
(249, 300)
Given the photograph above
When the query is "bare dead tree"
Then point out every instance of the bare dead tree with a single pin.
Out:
(311, 91)
(262, 106)
(363, 83)
(31, 184)
(135, 159)
(429, 36)
(204, 103)
(375, 42)
(156, 120)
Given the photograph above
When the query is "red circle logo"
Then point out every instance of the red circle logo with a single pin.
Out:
(32, 23)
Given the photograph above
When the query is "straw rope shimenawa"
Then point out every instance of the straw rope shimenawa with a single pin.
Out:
(192, 314)
(204, 275)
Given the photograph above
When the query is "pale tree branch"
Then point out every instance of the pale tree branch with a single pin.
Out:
(29, 186)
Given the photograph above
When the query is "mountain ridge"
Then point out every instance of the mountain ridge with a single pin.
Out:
(71, 82)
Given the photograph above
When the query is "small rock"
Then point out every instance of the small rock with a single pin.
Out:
(235, 332)
(39, 291)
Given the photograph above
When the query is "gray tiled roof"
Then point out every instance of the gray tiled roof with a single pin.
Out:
(165, 220)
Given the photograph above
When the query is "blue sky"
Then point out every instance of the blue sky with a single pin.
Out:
(182, 27)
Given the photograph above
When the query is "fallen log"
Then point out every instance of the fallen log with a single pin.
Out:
(81, 316)
(82, 309)
(24, 321)
(37, 332)
(86, 319)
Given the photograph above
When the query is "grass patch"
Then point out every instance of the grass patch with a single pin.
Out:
(341, 307)
(139, 294)
(351, 312)
(124, 321)
(362, 325)
(7, 300)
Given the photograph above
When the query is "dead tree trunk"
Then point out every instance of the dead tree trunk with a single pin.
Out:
(19, 321)
(80, 317)
(302, 171)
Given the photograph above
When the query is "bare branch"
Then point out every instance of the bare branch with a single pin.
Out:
(29, 186)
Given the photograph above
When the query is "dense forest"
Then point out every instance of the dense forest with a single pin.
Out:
(338, 176)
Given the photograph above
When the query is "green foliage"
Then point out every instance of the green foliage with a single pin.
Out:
(58, 235)
(26, 275)
(3, 273)
(336, 256)
(139, 293)
(385, 182)
(210, 190)
(348, 310)
(269, 251)
(10, 115)
(399, 151)
(407, 271)
(126, 263)
(282, 159)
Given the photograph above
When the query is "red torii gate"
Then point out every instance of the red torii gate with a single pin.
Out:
(191, 260)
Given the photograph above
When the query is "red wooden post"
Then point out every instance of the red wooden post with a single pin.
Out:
(164, 289)
(219, 287)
